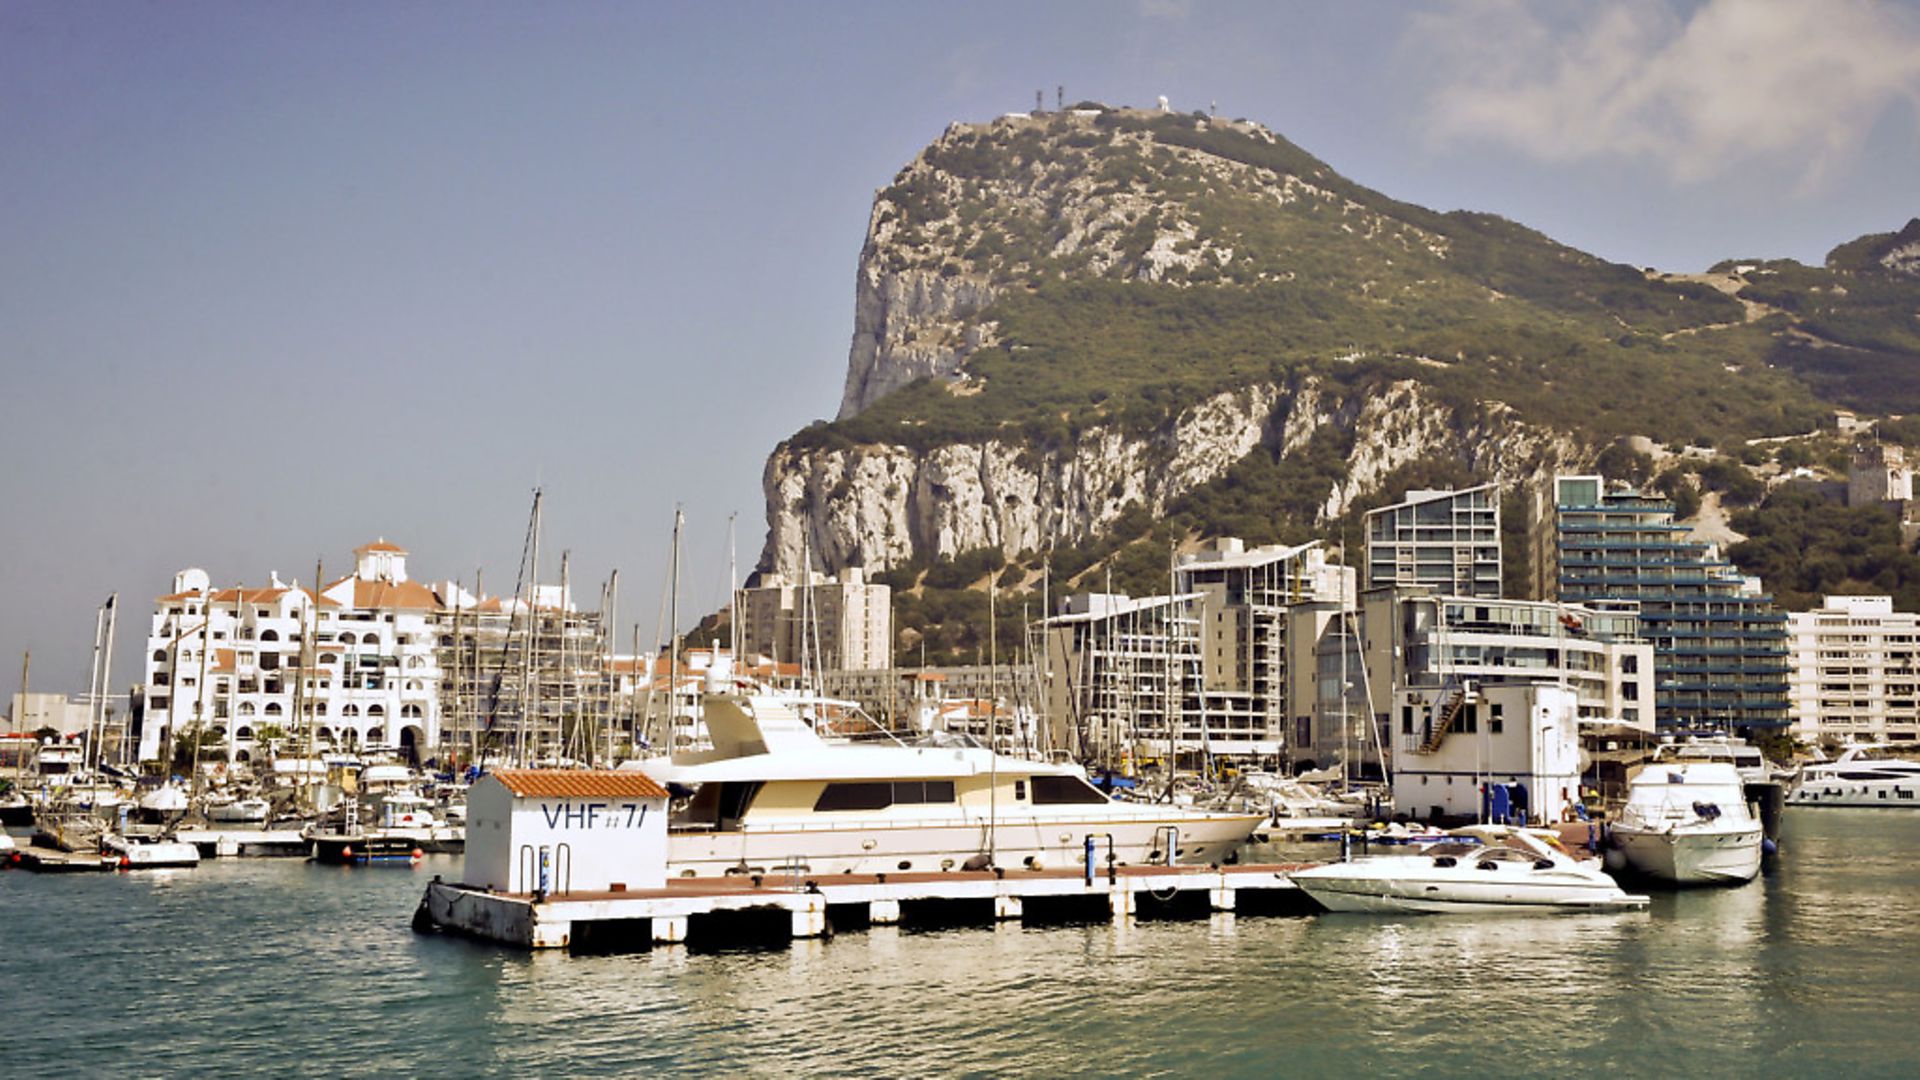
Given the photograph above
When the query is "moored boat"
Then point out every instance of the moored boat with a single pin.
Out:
(773, 796)
(1478, 870)
(1877, 776)
(1687, 822)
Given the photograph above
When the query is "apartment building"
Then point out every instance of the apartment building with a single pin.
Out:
(1856, 671)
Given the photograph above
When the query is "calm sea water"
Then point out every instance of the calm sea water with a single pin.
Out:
(283, 966)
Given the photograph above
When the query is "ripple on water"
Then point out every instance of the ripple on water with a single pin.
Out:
(297, 968)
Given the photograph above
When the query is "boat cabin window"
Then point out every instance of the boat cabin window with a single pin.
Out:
(1058, 790)
(880, 794)
(720, 805)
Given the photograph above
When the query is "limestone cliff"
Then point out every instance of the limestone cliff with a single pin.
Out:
(884, 505)
(1062, 316)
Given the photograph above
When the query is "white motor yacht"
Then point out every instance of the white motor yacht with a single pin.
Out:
(1482, 869)
(1688, 822)
(772, 796)
(1862, 776)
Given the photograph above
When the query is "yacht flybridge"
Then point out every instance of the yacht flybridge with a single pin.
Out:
(774, 797)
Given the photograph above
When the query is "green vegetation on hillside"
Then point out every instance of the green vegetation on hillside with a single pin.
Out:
(1146, 262)
(1805, 545)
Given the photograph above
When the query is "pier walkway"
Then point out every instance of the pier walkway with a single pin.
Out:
(745, 910)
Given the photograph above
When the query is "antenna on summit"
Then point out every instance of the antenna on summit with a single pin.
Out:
(1039, 101)
(1060, 97)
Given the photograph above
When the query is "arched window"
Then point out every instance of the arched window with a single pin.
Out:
(244, 733)
(329, 658)
(246, 708)
(375, 735)
(159, 656)
(376, 710)
(273, 708)
(350, 711)
(415, 684)
(411, 712)
(348, 639)
(269, 635)
(324, 734)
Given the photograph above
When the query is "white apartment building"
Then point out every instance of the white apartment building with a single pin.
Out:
(1855, 674)
(833, 624)
(357, 662)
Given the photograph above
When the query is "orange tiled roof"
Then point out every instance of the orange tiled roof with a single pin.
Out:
(394, 594)
(380, 545)
(580, 783)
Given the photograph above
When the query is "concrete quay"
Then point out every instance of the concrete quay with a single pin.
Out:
(744, 911)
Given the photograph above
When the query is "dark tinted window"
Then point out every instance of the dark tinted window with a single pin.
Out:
(857, 795)
(880, 794)
(1054, 790)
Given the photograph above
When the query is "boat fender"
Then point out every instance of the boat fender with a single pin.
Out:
(423, 920)
(1768, 847)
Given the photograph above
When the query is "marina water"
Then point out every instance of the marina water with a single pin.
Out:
(291, 967)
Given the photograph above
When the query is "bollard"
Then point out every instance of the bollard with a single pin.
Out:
(1090, 863)
(546, 865)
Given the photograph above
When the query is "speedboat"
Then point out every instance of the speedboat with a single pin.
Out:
(139, 853)
(1862, 776)
(1481, 869)
(1688, 822)
(772, 795)
(232, 811)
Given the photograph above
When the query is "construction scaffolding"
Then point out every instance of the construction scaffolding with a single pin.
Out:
(531, 684)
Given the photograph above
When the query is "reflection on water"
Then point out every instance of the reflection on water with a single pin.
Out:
(311, 969)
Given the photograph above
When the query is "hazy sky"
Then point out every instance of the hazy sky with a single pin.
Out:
(277, 278)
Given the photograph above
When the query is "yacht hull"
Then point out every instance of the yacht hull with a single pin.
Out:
(1376, 894)
(1371, 898)
(1693, 857)
(885, 847)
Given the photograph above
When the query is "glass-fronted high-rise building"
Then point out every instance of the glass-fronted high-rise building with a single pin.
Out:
(1720, 647)
(1447, 540)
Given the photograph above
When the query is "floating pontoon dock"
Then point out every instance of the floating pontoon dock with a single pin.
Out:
(744, 910)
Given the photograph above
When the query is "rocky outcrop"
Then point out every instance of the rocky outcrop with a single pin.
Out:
(907, 325)
(884, 505)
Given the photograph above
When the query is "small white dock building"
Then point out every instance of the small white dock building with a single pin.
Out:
(566, 830)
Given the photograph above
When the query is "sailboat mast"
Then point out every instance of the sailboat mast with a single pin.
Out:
(673, 625)
(311, 651)
(733, 596)
(529, 668)
(106, 682)
(93, 677)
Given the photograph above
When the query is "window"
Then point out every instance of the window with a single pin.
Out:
(1495, 721)
(880, 794)
(1060, 790)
